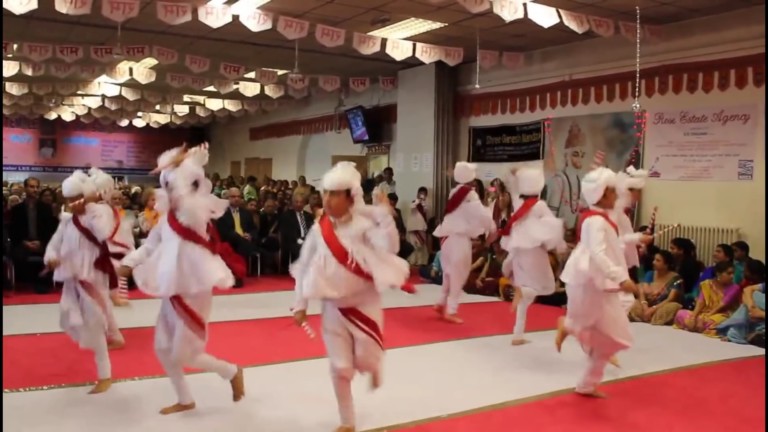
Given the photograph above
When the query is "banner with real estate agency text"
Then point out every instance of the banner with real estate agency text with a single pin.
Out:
(716, 143)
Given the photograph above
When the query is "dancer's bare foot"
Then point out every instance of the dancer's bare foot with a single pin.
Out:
(561, 334)
(101, 386)
(115, 344)
(375, 380)
(614, 361)
(453, 319)
(177, 408)
(518, 342)
(439, 309)
(238, 385)
(345, 429)
(593, 394)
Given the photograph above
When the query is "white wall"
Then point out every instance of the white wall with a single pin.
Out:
(294, 155)
(728, 204)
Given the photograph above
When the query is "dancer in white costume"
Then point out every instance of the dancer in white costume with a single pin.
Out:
(594, 275)
(181, 262)
(80, 259)
(121, 241)
(528, 235)
(629, 186)
(349, 256)
(465, 218)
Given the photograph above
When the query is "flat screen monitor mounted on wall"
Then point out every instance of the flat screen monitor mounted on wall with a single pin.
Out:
(358, 126)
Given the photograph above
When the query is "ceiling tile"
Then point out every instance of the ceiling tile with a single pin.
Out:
(409, 8)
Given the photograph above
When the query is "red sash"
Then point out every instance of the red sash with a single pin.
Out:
(589, 213)
(103, 262)
(364, 323)
(455, 200)
(524, 209)
(423, 212)
(192, 320)
(341, 254)
(235, 262)
(114, 233)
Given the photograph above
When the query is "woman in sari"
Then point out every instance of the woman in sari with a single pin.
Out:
(718, 298)
(747, 324)
(660, 293)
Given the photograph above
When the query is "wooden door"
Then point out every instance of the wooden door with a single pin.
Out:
(235, 168)
(361, 162)
(265, 168)
(251, 167)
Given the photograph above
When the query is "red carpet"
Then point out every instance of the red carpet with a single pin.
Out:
(721, 397)
(50, 359)
(252, 285)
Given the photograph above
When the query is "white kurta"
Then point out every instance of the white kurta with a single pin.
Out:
(416, 227)
(592, 275)
(82, 317)
(470, 220)
(371, 239)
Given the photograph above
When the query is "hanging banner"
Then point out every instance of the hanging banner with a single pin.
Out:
(136, 52)
(74, 7)
(507, 143)
(214, 16)
(37, 52)
(176, 80)
(575, 21)
(399, 50)
(359, 84)
(387, 83)
(69, 53)
(601, 26)
(19, 7)
(103, 54)
(297, 82)
(231, 71)
(428, 53)
(174, 13)
(292, 28)
(703, 144)
(329, 83)
(366, 44)
(545, 16)
(509, 10)
(488, 59)
(165, 56)
(512, 60)
(226, 86)
(274, 90)
(248, 89)
(452, 56)
(475, 6)
(61, 70)
(197, 64)
(120, 10)
(10, 68)
(256, 20)
(33, 69)
(329, 37)
(266, 76)
(90, 72)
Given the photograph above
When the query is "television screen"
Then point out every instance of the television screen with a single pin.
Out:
(358, 127)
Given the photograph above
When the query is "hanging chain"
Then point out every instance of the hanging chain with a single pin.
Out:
(477, 63)
(296, 57)
(636, 104)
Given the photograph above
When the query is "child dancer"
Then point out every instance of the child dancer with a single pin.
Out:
(80, 259)
(121, 241)
(594, 275)
(349, 256)
(181, 262)
(528, 235)
(465, 218)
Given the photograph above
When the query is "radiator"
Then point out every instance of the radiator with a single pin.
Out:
(705, 237)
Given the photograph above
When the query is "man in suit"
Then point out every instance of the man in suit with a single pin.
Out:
(236, 227)
(406, 249)
(32, 224)
(294, 227)
(269, 226)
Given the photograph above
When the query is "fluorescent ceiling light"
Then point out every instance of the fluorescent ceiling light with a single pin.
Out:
(408, 28)
(216, 2)
(245, 6)
(195, 98)
(106, 79)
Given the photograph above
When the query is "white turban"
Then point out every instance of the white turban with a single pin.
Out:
(78, 184)
(344, 176)
(530, 181)
(594, 184)
(464, 172)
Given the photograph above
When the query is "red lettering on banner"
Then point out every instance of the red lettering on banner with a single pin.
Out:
(601, 26)
(197, 64)
(359, 84)
(329, 36)
(231, 70)
(136, 52)
(399, 49)
(292, 28)
(103, 54)
(174, 13)
(329, 83)
(120, 10)
(428, 53)
(366, 44)
(266, 76)
(452, 56)
(257, 20)
(387, 83)
(214, 16)
(69, 53)
(74, 7)
(37, 52)
(165, 55)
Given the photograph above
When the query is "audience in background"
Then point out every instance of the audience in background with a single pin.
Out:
(294, 226)
(718, 297)
(686, 267)
(659, 293)
(406, 249)
(149, 217)
(433, 273)
(237, 228)
(747, 324)
(740, 258)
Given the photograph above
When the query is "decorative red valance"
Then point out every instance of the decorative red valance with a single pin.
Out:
(678, 78)
(386, 114)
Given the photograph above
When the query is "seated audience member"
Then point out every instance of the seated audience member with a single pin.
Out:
(647, 254)
(237, 228)
(740, 258)
(314, 204)
(659, 293)
(433, 272)
(485, 277)
(149, 217)
(754, 273)
(294, 226)
(406, 249)
(31, 226)
(250, 190)
(747, 324)
(718, 298)
(269, 226)
(253, 208)
(687, 267)
(558, 298)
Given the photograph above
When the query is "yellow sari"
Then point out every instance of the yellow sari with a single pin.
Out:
(711, 297)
